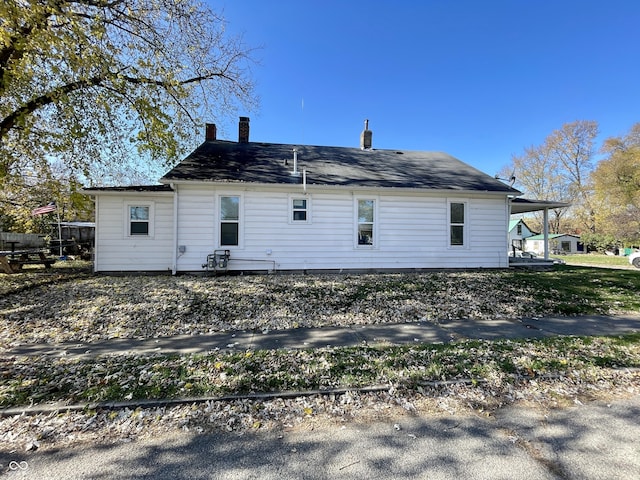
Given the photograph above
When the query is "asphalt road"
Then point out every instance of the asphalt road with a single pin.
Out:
(592, 441)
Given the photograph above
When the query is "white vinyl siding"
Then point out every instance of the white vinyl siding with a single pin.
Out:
(117, 250)
(410, 231)
(197, 221)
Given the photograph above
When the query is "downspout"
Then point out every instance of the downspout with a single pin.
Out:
(174, 263)
(96, 234)
(546, 233)
(508, 243)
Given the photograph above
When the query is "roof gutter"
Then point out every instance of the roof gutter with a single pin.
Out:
(319, 187)
(124, 193)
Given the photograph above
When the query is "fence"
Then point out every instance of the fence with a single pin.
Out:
(23, 240)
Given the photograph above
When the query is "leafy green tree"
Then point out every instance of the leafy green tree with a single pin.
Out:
(616, 183)
(97, 83)
(599, 242)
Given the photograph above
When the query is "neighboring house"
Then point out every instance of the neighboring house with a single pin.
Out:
(558, 243)
(518, 232)
(302, 207)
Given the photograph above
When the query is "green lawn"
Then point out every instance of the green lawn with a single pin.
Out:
(567, 289)
(596, 259)
(578, 290)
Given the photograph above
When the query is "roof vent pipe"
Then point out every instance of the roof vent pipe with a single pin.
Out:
(295, 163)
(366, 137)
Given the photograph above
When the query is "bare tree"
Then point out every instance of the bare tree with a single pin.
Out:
(572, 147)
(558, 170)
(538, 176)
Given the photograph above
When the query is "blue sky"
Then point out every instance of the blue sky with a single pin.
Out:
(480, 80)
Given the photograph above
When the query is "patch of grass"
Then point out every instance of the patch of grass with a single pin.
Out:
(596, 259)
(36, 380)
(584, 290)
(626, 340)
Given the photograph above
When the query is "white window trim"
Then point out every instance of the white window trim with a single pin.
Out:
(465, 229)
(376, 223)
(240, 221)
(127, 218)
(290, 199)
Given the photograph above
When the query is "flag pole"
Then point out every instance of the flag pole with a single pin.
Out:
(59, 233)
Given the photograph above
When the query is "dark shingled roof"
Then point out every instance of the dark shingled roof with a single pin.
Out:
(272, 163)
(524, 205)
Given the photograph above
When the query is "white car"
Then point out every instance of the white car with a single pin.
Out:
(634, 259)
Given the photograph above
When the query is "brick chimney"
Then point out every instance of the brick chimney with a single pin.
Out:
(243, 130)
(210, 132)
(366, 137)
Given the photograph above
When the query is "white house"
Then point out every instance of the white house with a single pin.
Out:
(300, 207)
(518, 232)
(558, 243)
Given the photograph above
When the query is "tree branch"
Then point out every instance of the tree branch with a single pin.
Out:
(34, 104)
(50, 97)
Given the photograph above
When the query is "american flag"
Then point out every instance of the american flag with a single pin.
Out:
(50, 207)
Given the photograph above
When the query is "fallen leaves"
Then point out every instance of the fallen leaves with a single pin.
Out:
(92, 308)
(464, 376)
(126, 424)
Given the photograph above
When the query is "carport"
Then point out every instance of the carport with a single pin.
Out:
(525, 205)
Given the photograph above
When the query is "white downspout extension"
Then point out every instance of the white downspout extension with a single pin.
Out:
(546, 233)
(174, 263)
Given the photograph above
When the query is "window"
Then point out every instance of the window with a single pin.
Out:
(456, 222)
(565, 246)
(299, 209)
(139, 220)
(519, 229)
(366, 215)
(229, 221)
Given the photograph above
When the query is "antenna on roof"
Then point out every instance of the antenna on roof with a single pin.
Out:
(511, 179)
